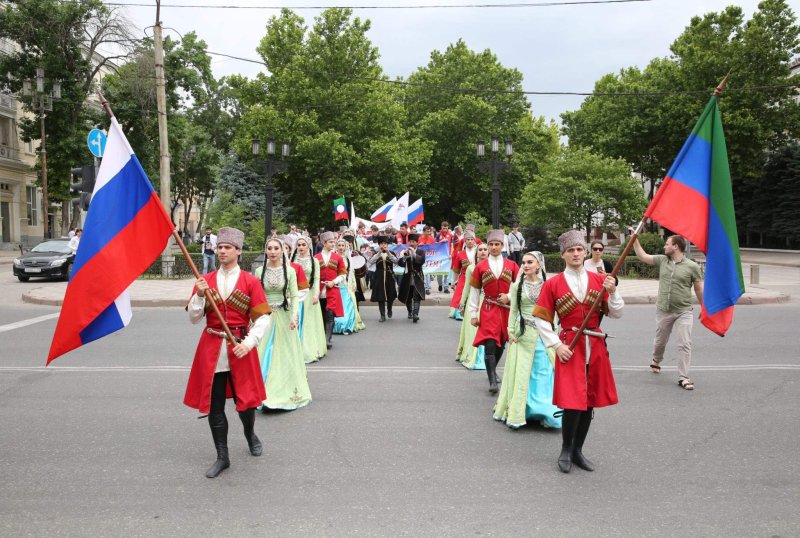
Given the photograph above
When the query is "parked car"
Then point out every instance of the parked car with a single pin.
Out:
(49, 259)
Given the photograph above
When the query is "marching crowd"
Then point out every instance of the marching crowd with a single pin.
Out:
(284, 316)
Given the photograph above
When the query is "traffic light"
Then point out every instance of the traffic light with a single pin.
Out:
(83, 185)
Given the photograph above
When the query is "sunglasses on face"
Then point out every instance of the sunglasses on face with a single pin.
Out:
(596, 249)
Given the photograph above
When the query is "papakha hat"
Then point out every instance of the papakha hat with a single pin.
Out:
(232, 236)
(325, 236)
(572, 238)
(495, 235)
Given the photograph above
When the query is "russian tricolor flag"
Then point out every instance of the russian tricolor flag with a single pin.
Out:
(125, 231)
(416, 213)
(696, 201)
(383, 212)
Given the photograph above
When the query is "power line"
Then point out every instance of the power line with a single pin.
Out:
(457, 89)
(384, 7)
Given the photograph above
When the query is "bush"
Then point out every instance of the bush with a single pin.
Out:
(652, 243)
(632, 267)
(181, 269)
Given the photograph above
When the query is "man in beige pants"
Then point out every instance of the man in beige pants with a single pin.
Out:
(677, 275)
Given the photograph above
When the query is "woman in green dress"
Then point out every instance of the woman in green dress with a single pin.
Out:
(527, 389)
(467, 354)
(282, 363)
(311, 327)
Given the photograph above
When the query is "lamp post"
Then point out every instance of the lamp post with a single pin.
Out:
(271, 166)
(494, 165)
(41, 103)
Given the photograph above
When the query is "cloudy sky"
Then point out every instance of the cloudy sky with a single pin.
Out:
(557, 48)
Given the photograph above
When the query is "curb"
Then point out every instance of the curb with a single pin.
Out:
(760, 299)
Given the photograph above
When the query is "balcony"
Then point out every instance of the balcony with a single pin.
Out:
(9, 153)
(8, 105)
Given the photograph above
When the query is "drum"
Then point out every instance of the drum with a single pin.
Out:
(359, 264)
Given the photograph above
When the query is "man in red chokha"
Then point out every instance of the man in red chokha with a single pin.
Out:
(494, 275)
(583, 376)
(221, 370)
(461, 262)
(332, 270)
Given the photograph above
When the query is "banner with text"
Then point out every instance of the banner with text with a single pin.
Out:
(437, 258)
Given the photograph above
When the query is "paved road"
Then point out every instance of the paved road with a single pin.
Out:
(398, 441)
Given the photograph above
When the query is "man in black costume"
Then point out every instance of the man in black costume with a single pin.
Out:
(412, 285)
(384, 291)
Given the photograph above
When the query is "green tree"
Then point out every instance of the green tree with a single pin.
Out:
(759, 111)
(200, 128)
(323, 94)
(582, 189)
(490, 103)
(66, 39)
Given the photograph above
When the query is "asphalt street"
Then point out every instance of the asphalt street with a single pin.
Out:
(399, 440)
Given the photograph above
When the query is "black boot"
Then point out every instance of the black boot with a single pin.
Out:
(584, 421)
(329, 320)
(569, 423)
(389, 310)
(410, 308)
(248, 419)
(415, 310)
(382, 310)
(489, 359)
(219, 432)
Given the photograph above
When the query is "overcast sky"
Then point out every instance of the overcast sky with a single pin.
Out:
(558, 48)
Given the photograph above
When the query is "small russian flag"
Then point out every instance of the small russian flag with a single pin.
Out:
(416, 213)
(383, 212)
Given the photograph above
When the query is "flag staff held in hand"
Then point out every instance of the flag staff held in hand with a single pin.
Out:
(232, 340)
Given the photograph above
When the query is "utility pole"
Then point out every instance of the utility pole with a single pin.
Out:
(167, 258)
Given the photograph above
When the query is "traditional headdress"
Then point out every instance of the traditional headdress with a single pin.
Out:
(469, 234)
(572, 238)
(495, 235)
(232, 236)
(324, 236)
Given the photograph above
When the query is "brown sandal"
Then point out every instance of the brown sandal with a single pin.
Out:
(686, 383)
(655, 368)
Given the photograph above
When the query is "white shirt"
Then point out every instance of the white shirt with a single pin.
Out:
(496, 267)
(74, 242)
(326, 257)
(226, 282)
(578, 282)
(516, 241)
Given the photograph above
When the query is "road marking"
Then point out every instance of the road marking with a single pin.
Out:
(382, 369)
(26, 322)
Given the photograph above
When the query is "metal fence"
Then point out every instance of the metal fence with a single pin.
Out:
(179, 268)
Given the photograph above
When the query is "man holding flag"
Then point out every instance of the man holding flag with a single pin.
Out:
(677, 274)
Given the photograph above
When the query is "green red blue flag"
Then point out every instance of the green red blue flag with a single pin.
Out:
(695, 200)
(340, 209)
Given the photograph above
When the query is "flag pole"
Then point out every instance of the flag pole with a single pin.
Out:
(596, 302)
(209, 298)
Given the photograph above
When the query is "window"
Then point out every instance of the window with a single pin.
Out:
(32, 206)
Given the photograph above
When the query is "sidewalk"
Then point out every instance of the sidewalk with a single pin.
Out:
(175, 293)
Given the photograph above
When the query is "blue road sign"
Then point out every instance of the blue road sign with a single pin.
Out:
(96, 142)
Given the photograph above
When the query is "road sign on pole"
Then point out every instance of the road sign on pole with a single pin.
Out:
(96, 142)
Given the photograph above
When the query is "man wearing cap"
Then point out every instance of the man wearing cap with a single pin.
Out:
(494, 275)
(412, 285)
(461, 262)
(583, 377)
(332, 271)
(384, 291)
(221, 370)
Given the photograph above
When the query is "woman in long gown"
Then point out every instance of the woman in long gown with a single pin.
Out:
(467, 354)
(351, 321)
(527, 389)
(311, 327)
(282, 363)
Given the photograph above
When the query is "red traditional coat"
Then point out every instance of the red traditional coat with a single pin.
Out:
(302, 281)
(327, 272)
(494, 318)
(245, 304)
(572, 389)
(460, 264)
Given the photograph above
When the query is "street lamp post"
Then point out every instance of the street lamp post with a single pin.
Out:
(271, 166)
(494, 165)
(42, 102)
